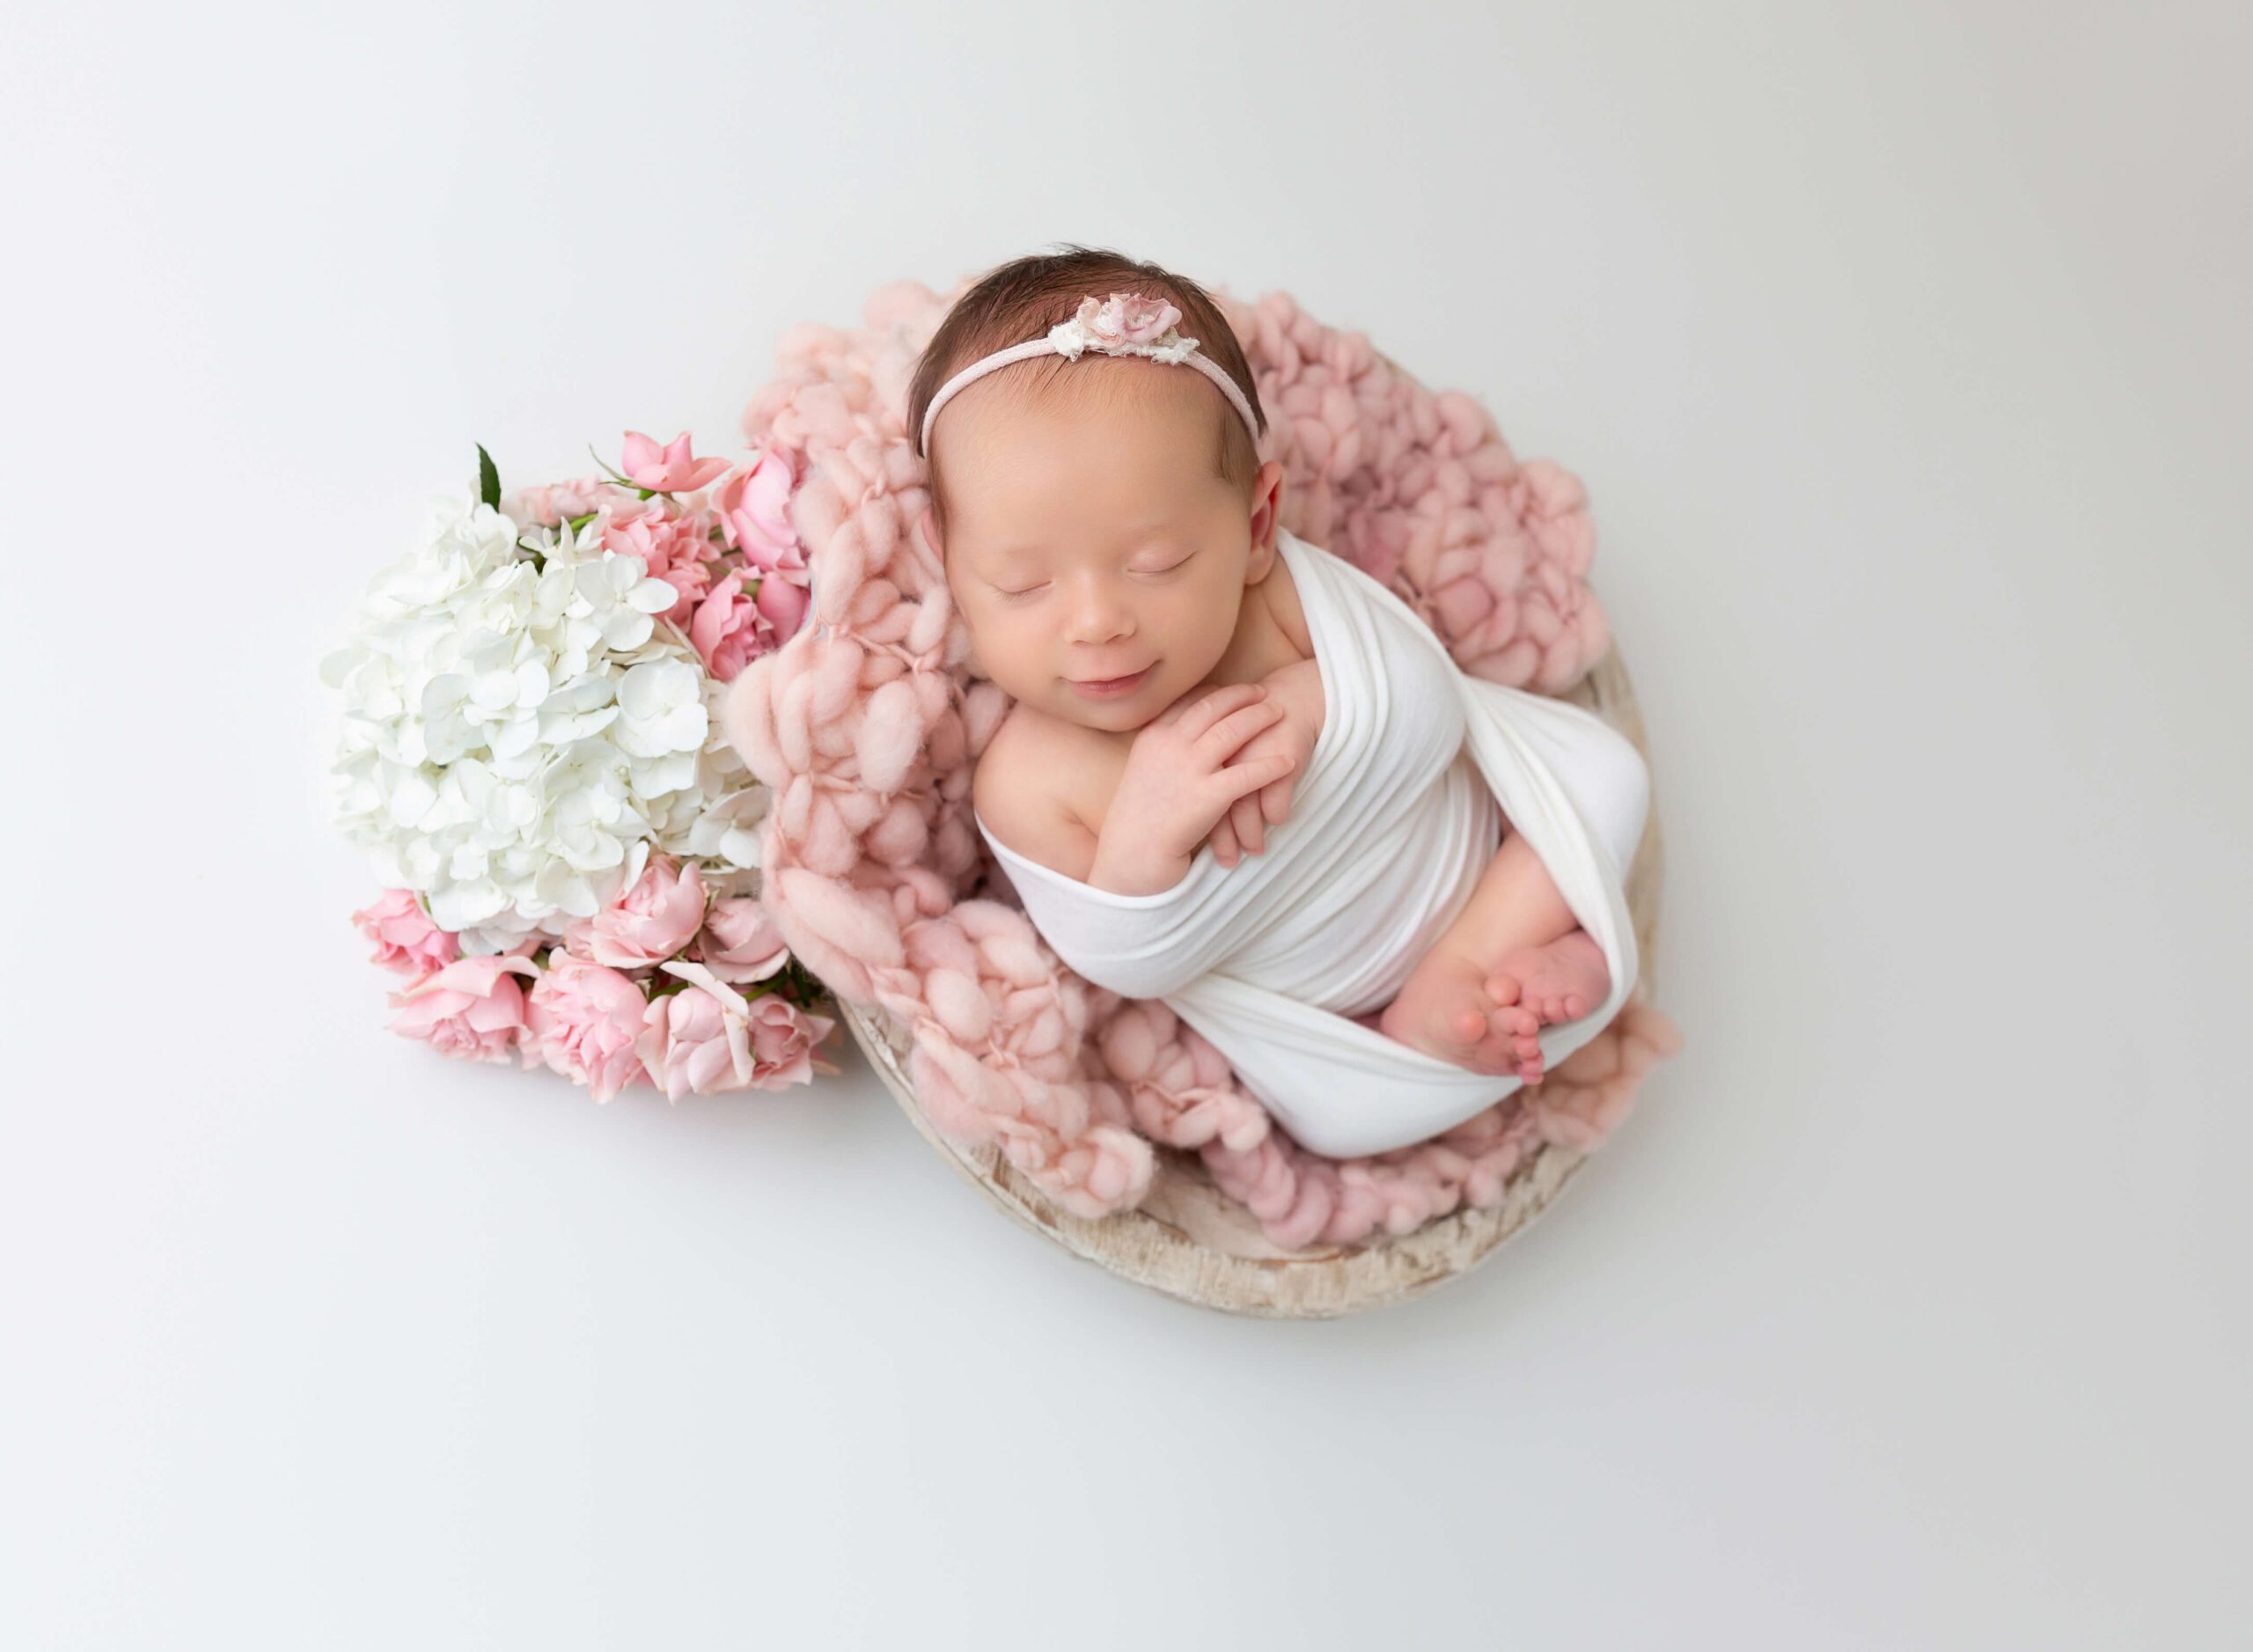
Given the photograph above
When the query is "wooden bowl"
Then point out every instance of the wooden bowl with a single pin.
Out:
(1189, 1241)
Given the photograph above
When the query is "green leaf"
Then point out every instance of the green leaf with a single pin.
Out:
(488, 479)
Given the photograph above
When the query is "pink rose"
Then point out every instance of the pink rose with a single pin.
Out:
(572, 936)
(730, 629)
(651, 919)
(698, 1041)
(782, 600)
(773, 552)
(581, 1019)
(473, 1008)
(782, 1037)
(753, 506)
(405, 938)
(754, 521)
(556, 501)
(674, 546)
(669, 470)
(786, 561)
(740, 943)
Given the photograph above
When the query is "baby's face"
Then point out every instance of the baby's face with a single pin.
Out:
(1088, 541)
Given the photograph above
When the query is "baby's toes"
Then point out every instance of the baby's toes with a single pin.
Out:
(1513, 1025)
(1503, 989)
(1517, 1026)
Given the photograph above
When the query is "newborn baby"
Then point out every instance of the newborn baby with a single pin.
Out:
(1120, 582)
(1113, 549)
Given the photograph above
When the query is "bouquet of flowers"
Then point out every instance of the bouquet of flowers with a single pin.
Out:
(530, 754)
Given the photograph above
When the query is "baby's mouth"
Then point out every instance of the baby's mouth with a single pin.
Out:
(1112, 685)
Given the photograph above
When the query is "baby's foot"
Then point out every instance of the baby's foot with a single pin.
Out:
(1446, 1010)
(1561, 982)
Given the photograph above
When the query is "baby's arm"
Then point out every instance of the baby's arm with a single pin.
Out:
(1026, 814)
(1298, 686)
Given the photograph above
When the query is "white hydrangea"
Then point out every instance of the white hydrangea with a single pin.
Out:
(519, 729)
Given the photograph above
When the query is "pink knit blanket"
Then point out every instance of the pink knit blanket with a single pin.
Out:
(868, 722)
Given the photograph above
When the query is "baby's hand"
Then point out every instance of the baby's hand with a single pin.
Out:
(1244, 829)
(1182, 774)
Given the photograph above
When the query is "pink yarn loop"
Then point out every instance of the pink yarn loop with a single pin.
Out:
(868, 722)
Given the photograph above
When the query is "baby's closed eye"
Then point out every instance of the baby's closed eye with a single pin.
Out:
(1145, 572)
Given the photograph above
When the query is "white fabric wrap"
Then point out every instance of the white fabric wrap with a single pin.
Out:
(1389, 828)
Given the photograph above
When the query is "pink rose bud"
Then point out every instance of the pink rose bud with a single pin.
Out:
(730, 629)
(782, 604)
(653, 920)
(674, 546)
(754, 504)
(581, 1019)
(697, 1041)
(405, 938)
(669, 470)
(473, 1008)
(740, 943)
(782, 1039)
(551, 503)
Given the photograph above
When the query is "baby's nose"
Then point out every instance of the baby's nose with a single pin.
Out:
(1099, 616)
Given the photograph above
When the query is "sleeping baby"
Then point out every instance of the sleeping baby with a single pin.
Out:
(1238, 773)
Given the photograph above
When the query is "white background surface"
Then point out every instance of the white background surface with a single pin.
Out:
(1903, 349)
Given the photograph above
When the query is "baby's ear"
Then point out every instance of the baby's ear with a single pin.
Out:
(1266, 502)
(929, 523)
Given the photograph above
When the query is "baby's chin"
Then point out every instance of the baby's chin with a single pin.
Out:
(1117, 716)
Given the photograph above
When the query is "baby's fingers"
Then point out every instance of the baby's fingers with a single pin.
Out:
(1223, 842)
(1250, 830)
(1196, 709)
(1234, 729)
(1238, 780)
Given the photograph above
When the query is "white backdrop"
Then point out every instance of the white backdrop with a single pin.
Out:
(1904, 351)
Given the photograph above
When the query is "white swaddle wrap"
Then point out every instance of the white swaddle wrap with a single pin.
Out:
(1392, 821)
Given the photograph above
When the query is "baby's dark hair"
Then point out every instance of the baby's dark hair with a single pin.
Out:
(1023, 299)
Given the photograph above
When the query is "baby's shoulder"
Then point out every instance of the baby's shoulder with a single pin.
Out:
(1032, 787)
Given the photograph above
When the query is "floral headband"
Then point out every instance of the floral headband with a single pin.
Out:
(1124, 324)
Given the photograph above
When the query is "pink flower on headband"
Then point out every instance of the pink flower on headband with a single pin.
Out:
(1126, 317)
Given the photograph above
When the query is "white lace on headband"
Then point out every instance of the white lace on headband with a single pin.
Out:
(1124, 324)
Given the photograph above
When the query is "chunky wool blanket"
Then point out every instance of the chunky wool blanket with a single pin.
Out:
(868, 722)
(1392, 822)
